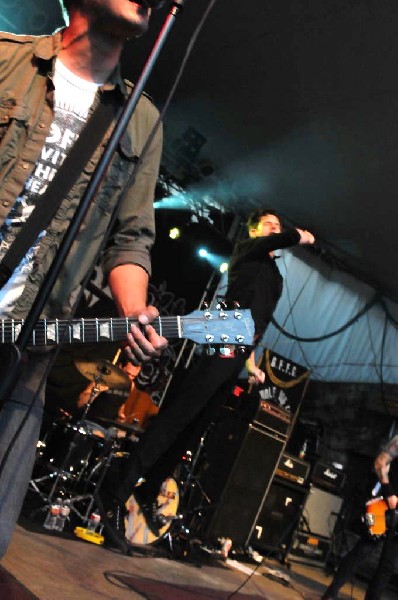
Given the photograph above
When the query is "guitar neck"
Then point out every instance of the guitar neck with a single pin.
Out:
(202, 327)
(53, 332)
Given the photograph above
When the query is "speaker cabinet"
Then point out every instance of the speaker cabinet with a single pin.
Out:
(321, 509)
(279, 516)
(240, 462)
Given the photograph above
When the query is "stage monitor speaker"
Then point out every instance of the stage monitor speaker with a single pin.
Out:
(240, 462)
(321, 509)
(279, 516)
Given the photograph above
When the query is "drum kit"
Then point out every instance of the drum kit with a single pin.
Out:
(74, 457)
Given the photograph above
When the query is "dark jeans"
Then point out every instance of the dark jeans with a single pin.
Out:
(205, 388)
(16, 474)
(365, 546)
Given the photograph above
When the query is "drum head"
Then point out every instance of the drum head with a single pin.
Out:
(137, 531)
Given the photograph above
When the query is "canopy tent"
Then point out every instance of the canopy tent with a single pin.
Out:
(332, 323)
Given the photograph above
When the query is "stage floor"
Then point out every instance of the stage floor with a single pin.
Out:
(58, 567)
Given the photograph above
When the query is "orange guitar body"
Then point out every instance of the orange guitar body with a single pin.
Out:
(375, 517)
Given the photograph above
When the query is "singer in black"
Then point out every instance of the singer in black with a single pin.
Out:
(49, 88)
(256, 283)
(388, 562)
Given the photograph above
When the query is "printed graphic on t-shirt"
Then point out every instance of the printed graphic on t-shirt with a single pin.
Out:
(68, 122)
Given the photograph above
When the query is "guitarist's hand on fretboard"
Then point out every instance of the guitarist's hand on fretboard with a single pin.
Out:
(144, 342)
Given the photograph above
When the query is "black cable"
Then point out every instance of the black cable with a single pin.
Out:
(387, 311)
(284, 536)
(326, 336)
(291, 307)
(242, 585)
(382, 387)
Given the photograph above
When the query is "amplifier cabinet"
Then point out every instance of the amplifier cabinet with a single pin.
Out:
(327, 477)
(309, 548)
(262, 413)
(279, 516)
(273, 418)
(321, 509)
(293, 469)
(240, 464)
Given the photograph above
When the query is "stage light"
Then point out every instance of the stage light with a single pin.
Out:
(223, 267)
(174, 233)
(203, 253)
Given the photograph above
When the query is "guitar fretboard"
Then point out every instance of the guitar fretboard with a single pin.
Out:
(53, 332)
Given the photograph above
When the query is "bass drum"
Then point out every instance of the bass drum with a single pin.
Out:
(137, 531)
(70, 448)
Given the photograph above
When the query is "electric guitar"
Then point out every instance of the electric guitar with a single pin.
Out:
(375, 517)
(219, 327)
(379, 519)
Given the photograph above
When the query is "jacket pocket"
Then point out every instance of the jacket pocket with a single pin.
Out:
(11, 111)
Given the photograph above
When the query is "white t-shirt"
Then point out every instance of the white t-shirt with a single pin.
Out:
(73, 97)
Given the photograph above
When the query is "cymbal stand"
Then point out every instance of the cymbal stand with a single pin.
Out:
(189, 483)
(192, 480)
(74, 442)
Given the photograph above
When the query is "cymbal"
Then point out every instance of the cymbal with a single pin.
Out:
(105, 372)
(130, 427)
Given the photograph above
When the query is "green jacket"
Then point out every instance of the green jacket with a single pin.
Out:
(26, 100)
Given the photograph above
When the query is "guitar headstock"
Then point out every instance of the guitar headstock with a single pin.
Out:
(219, 327)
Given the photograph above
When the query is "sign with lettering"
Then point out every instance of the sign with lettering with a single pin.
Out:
(285, 381)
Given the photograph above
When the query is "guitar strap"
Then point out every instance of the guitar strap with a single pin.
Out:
(64, 179)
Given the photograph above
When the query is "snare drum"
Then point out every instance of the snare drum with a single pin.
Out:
(137, 531)
(69, 447)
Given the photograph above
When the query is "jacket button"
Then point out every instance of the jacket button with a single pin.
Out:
(6, 203)
(25, 166)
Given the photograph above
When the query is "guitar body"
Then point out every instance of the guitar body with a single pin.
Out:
(375, 517)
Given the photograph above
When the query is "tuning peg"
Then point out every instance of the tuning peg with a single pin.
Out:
(224, 338)
(209, 338)
(236, 304)
(240, 339)
(241, 349)
(205, 305)
(225, 351)
(222, 314)
(208, 315)
(210, 351)
(221, 304)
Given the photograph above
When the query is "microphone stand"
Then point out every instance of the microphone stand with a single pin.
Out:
(10, 380)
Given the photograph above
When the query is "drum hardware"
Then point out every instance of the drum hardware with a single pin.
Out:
(177, 506)
(131, 428)
(64, 485)
(180, 537)
(191, 481)
(104, 372)
(85, 438)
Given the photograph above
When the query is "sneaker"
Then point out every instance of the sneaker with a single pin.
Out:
(150, 511)
(113, 520)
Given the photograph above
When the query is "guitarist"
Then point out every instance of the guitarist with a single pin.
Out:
(255, 282)
(49, 86)
(388, 562)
